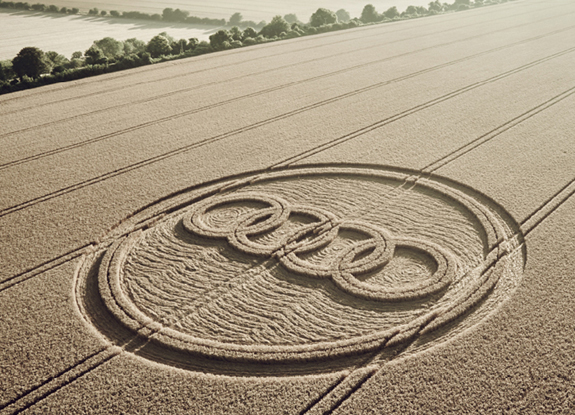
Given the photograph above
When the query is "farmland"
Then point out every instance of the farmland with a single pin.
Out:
(67, 34)
(375, 219)
(250, 9)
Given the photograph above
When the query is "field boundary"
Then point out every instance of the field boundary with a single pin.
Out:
(190, 61)
(27, 77)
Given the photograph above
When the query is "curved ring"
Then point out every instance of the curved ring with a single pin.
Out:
(379, 247)
(295, 243)
(252, 224)
(278, 213)
(441, 278)
(379, 240)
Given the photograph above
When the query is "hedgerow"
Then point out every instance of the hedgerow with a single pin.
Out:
(110, 55)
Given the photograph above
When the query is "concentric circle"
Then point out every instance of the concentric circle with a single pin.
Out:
(303, 265)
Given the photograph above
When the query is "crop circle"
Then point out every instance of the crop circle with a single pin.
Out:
(305, 265)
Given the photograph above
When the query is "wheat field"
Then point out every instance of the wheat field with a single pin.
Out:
(375, 220)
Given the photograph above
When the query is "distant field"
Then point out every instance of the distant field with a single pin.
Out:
(251, 9)
(67, 34)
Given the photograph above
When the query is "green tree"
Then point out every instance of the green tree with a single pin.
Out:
(236, 33)
(391, 13)
(435, 6)
(235, 19)
(93, 11)
(295, 27)
(103, 13)
(167, 13)
(179, 47)
(6, 71)
(275, 27)
(322, 17)
(461, 5)
(170, 38)
(410, 10)
(291, 18)
(134, 45)
(369, 15)
(181, 15)
(56, 59)
(114, 13)
(192, 43)
(110, 47)
(32, 62)
(343, 15)
(159, 45)
(203, 47)
(249, 32)
(95, 56)
(18, 5)
(171, 15)
(219, 39)
(39, 7)
(53, 9)
(77, 55)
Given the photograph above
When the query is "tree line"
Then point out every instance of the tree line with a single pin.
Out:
(32, 67)
(37, 7)
(168, 14)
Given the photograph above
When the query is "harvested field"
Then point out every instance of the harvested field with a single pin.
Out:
(377, 220)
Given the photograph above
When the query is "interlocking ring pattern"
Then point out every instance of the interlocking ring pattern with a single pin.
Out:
(373, 253)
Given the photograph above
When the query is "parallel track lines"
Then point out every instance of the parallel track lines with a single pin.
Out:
(547, 208)
(461, 151)
(343, 388)
(442, 161)
(251, 74)
(292, 159)
(283, 86)
(58, 381)
(338, 393)
(526, 227)
(347, 385)
(358, 133)
(43, 267)
(272, 45)
(529, 224)
(332, 398)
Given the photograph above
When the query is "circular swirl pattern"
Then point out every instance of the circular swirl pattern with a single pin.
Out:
(302, 265)
(323, 230)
